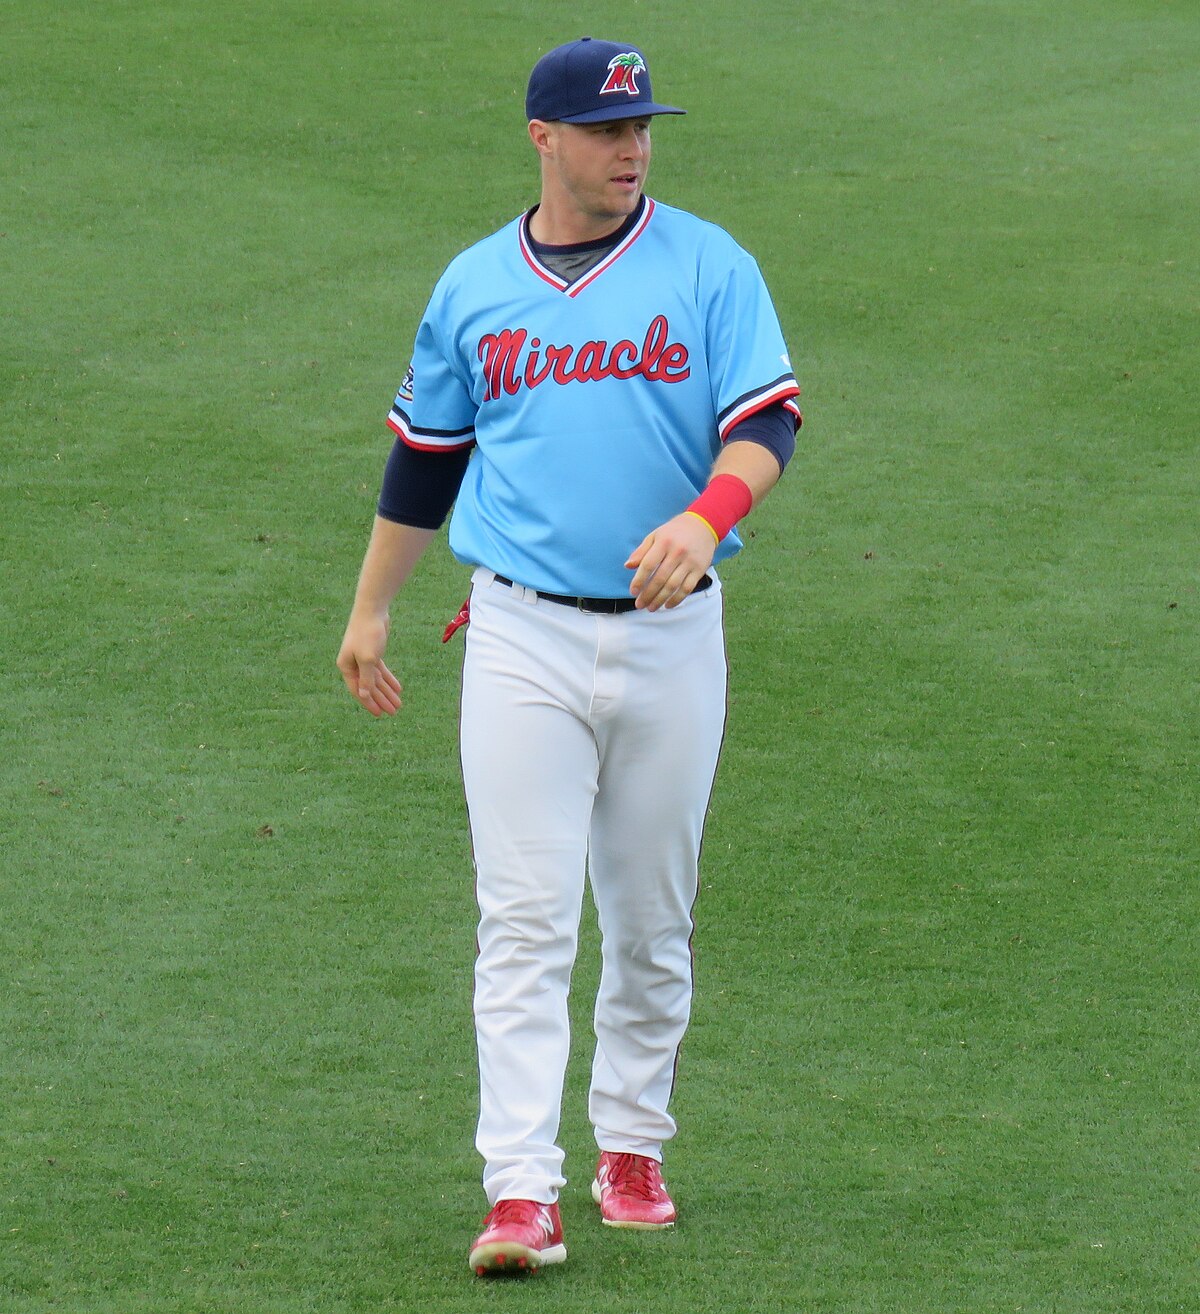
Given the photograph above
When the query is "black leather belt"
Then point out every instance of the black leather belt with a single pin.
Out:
(603, 606)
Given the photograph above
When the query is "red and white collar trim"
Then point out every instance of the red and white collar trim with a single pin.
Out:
(573, 289)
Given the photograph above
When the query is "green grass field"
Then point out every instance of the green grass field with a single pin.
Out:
(944, 1055)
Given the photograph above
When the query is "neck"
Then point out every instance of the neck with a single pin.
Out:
(558, 226)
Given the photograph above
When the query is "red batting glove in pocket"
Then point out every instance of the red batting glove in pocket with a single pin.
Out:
(463, 618)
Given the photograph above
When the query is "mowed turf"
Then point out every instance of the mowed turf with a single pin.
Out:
(943, 1055)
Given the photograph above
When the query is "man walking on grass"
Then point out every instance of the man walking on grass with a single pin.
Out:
(601, 390)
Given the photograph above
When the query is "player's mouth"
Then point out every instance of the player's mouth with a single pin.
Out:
(626, 180)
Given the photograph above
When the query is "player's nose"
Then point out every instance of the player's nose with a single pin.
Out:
(632, 145)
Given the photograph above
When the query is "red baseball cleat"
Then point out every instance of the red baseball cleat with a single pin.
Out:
(519, 1235)
(630, 1192)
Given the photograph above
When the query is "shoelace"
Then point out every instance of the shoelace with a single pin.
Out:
(631, 1174)
(513, 1211)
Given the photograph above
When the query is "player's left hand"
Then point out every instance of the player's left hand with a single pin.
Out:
(670, 561)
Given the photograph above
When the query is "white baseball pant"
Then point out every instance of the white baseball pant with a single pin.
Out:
(589, 744)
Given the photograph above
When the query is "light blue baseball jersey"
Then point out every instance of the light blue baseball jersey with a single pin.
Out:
(597, 408)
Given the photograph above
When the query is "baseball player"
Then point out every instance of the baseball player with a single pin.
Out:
(601, 390)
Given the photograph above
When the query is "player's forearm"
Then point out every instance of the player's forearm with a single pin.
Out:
(753, 464)
(392, 553)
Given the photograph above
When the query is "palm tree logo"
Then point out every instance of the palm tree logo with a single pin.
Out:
(622, 74)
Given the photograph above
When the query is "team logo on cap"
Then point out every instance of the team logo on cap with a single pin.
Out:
(622, 74)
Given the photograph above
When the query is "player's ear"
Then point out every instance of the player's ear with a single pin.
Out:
(541, 134)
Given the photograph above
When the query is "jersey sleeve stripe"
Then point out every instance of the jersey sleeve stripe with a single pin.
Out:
(428, 440)
(430, 447)
(782, 389)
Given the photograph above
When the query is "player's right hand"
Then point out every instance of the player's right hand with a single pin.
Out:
(363, 668)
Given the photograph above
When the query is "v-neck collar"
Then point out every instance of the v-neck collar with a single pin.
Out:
(636, 227)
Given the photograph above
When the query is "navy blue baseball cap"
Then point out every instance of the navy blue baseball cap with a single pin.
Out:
(589, 81)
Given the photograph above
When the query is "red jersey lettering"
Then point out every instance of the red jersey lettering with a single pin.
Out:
(508, 366)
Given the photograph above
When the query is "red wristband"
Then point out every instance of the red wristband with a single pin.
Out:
(722, 504)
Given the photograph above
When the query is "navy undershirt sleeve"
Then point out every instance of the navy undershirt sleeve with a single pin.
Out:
(774, 427)
(419, 488)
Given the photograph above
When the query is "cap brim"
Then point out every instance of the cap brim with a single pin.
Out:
(643, 109)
